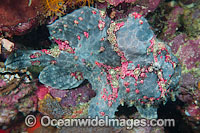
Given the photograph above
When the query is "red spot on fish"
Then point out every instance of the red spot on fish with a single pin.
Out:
(105, 91)
(136, 15)
(102, 39)
(80, 18)
(94, 12)
(75, 21)
(35, 62)
(137, 91)
(126, 84)
(35, 55)
(151, 98)
(102, 113)
(65, 46)
(79, 38)
(142, 102)
(86, 34)
(155, 59)
(32, 56)
(53, 62)
(127, 90)
(38, 54)
(145, 97)
(104, 97)
(97, 63)
(120, 24)
(101, 25)
(143, 75)
(110, 103)
(72, 74)
(141, 22)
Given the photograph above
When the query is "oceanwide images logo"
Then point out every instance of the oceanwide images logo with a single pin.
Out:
(98, 122)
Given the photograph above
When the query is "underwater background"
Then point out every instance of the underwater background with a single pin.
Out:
(129, 59)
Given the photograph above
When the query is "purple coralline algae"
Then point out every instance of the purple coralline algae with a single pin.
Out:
(172, 23)
(188, 52)
(117, 2)
(190, 95)
(122, 60)
(76, 96)
(122, 8)
(64, 102)
(145, 6)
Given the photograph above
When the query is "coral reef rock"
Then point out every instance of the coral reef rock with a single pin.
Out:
(18, 17)
(16, 94)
